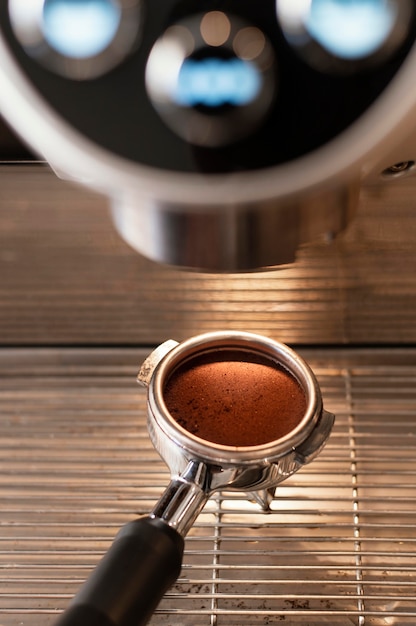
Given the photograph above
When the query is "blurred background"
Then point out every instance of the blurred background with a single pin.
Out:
(67, 277)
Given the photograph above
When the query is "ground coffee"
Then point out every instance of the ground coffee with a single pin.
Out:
(234, 398)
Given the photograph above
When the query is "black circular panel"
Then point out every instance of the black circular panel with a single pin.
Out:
(212, 78)
(117, 109)
(344, 36)
(77, 39)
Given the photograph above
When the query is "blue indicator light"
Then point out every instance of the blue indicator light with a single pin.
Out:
(80, 29)
(351, 29)
(213, 82)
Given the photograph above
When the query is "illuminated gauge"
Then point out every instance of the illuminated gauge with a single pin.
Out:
(345, 34)
(78, 39)
(211, 78)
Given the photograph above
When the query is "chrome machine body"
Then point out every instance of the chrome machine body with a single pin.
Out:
(224, 137)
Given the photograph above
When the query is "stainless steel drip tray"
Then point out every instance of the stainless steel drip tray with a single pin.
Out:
(76, 464)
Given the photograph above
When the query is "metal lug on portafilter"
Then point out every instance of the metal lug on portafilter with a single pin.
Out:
(264, 498)
(148, 366)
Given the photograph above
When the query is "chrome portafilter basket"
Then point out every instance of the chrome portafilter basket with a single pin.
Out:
(146, 556)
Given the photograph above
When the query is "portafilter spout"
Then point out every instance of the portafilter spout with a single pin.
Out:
(226, 410)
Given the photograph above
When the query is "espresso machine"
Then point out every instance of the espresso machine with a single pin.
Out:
(174, 168)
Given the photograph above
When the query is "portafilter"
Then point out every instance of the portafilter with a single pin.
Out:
(208, 398)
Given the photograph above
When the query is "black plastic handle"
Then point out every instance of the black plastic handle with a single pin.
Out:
(128, 583)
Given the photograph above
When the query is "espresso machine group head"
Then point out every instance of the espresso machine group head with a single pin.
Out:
(224, 133)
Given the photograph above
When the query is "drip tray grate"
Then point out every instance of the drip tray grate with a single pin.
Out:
(76, 464)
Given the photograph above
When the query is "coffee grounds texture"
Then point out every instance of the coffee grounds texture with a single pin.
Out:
(229, 399)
